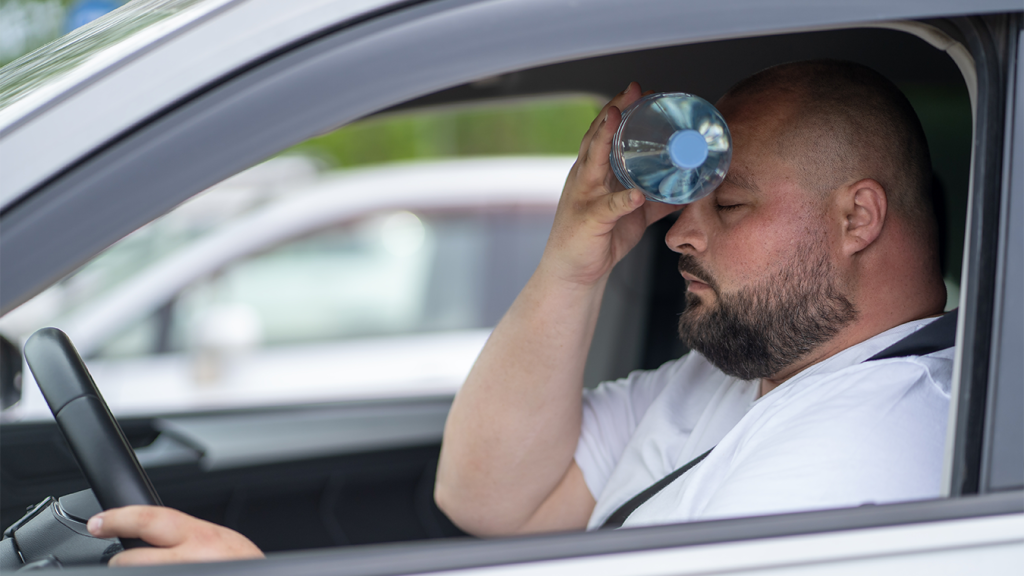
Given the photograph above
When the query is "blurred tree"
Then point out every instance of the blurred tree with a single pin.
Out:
(550, 126)
(28, 24)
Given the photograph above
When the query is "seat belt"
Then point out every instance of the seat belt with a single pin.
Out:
(937, 335)
(620, 515)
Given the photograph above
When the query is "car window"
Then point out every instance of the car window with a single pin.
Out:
(418, 226)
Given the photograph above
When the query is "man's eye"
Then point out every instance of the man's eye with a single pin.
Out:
(727, 207)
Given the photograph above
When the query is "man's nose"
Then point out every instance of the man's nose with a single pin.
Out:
(689, 231)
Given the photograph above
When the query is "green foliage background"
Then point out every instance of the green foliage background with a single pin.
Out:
(553, 126)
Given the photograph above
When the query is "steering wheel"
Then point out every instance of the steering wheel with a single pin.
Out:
(97, 442)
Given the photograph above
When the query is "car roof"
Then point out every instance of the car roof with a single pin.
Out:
(200, 43)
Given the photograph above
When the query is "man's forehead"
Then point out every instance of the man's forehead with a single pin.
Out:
(740, 178)
(756, 127)
(764, 112)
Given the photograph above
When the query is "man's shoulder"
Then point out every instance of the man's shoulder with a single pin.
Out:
(884, 395)
(688, 382)
(857, 361)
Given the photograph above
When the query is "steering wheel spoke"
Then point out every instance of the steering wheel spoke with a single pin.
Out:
(96, 440)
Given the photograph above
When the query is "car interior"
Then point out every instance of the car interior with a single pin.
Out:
(374, 484)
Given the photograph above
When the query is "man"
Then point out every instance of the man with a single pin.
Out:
(817, 251)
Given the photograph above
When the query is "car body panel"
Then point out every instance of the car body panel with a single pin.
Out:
(802, 543)
(1003, 466)
(986, 545)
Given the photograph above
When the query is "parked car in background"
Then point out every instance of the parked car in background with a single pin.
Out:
(132, 115)
(378, 282)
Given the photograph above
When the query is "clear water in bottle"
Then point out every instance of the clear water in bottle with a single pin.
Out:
(674, 146)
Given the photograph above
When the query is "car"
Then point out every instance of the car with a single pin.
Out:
(130, 116)
(319, 285)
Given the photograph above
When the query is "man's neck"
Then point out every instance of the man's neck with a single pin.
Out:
(847, 338)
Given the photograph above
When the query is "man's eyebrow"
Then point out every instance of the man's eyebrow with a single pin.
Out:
(741, 180)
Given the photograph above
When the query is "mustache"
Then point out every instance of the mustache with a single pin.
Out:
(689, 264)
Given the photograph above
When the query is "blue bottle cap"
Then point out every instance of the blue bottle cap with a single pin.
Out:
(687, 149)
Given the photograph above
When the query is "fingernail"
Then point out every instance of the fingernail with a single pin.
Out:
(95, 524)
(627, 87)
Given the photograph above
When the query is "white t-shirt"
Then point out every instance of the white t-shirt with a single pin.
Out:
(841, 433)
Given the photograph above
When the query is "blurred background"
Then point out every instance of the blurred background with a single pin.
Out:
(412, 230)
(28, 24)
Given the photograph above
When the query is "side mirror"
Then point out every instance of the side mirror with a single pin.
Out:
(11, 363)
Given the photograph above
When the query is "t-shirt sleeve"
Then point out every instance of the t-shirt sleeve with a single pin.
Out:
(611, 412)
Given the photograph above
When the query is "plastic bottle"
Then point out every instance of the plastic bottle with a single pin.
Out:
(674, 146)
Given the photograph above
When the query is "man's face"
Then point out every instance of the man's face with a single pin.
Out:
(762, 287)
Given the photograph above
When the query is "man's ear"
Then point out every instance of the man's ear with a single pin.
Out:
(863, 205)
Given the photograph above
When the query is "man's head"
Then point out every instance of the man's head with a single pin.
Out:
(846, 122)
(827, 195)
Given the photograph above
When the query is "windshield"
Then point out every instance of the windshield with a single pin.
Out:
(55, 67)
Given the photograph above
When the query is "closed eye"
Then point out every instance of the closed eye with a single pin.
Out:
(727, 207)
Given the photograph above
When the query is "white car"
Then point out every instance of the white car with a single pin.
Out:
(319, 281)
(111, 127)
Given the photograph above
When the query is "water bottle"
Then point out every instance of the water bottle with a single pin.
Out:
(674, 146)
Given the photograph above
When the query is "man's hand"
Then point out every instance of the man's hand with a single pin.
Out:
(177, 536)
(598, 221)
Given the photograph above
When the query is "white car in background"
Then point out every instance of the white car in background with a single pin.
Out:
(288, 285)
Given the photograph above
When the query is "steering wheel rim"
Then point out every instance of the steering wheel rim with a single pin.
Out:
(91, 431)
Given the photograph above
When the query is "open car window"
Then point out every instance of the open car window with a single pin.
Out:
(406, 236)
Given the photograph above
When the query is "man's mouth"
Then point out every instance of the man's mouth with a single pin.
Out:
(694, 283)
(697, 279)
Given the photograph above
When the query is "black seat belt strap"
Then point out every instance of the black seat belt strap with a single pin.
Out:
(936, 336)
(620, 515)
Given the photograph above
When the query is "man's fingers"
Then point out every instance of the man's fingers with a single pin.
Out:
(178, 536)
(618, 204)
(146, 557)
(157, 525)
(601, 143)
(620, 101)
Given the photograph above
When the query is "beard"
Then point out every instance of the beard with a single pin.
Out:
(761, 329)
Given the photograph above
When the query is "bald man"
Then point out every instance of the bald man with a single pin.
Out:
(818, 251)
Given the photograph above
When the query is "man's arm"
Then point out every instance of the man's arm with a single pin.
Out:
(507, 459)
